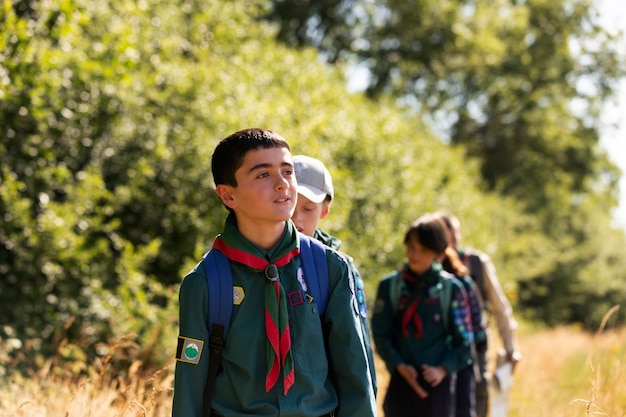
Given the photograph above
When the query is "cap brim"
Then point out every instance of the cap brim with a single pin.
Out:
(312, 193)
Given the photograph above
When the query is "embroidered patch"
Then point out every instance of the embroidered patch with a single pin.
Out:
(301, 280)
(238, 295)
(189, 350)
(295, 298)
(360, 296)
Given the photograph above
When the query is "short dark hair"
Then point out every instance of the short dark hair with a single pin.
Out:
(230, 152)
(430, 231)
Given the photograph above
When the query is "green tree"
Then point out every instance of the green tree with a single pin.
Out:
(519, 86)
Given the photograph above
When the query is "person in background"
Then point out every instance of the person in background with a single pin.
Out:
(318, 366)
(421, 325)
(495, 304)
(464, 382)
(315, 196)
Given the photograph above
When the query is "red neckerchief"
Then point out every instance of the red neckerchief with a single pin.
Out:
(276, 320)
(411, 313)
(249, 259)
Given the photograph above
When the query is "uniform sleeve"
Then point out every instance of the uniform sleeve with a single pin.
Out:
(347, 350)
(383, 322)
(499, 305)
(363, 317)
(191, 370)
(459, 354)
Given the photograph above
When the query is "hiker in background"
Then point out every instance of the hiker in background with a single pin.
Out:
(281, 357)
(420, 325)
(315, 196)
(464, 382)
(495, 304)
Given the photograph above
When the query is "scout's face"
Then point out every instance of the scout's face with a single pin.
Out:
(266, 187)
(308, 214)
(419, 257)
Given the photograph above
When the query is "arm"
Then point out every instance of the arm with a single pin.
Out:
(360, 297)
(460, 332)
(346, 345)
(383, 322)
(501, 309)
(190, 377)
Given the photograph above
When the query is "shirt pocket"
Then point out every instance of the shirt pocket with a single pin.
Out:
(309, 350)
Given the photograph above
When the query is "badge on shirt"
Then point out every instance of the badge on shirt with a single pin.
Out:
(238, 295)
(301, 280)
(189, 350)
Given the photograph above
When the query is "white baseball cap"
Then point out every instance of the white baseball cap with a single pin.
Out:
(314, 180)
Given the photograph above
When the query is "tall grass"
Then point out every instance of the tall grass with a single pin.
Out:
(569, 373)
(564, 373)
(98, 389)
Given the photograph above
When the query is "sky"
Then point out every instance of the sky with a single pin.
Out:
(613, 133)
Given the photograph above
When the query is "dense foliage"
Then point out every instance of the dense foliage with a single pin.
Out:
(109, 112)
(519, 85)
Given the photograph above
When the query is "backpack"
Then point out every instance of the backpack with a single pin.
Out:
(220, 287)
(475, 265)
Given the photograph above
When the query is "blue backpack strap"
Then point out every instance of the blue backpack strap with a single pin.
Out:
(315, 268)
(219, 277)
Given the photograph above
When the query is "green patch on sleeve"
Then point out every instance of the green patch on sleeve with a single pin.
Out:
(189, 350)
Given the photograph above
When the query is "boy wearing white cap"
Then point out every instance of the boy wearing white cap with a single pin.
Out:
(315, 195)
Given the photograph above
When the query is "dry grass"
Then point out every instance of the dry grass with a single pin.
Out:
(55, 391)
(98, 397)
(564, 372)
(567, 373)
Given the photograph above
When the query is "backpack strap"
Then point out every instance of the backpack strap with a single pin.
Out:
(445, 300)
(219, 277)
(396, 286)
(220, 287)
(315, 268)
(476, 272)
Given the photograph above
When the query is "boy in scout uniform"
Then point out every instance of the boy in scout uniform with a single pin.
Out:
(315, 196)
(281, 357)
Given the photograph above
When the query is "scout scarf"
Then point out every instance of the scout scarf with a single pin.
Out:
(277, 330)
(411, 312)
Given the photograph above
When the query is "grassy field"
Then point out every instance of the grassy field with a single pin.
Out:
(564, 373)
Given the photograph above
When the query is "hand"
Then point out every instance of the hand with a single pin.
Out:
(514, 358)
(409, 373)
(434, 374)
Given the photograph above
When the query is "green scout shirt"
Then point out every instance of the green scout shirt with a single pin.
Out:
(335, 243)
(436, 346)
(326, 379)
